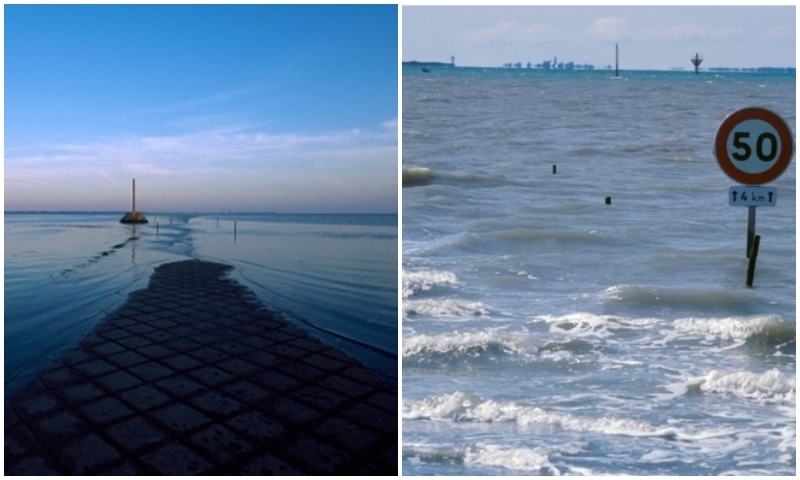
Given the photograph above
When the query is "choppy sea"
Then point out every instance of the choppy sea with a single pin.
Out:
(545, 332)
(333, 275)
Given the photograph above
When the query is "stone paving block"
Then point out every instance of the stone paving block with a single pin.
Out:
(308, 344)
(180, 345)
(247, 392)
(214, 403)
(239, 367)
(59, 426)
(144, 397)
(208, 355)
(385, 401)
(346, 387)
(276, 381)
(290, 410)
(181, 362)
(104, 410)
(151, 371)
(301, 371)
(268, 464)
(19, 441)
(36, 464)
(38, 405)
(179, 418)
(127, 358)
(96, 367)
(135, 341)
(220, 444)
(106, 348)
(112, 333)
(56, 377)
(210, 376)
(80, 392)
(256, 425)
(179, 386)
(371, 417)
(139, 328)
(234, 348)
(82, 455)
(74, 356)
(118, 380)
(319, 457)
(155, 351)
(124, 467)
(134, 434)
(266, 359)
(325, 363)
(320, 398)
(176, 459)
(347, 434)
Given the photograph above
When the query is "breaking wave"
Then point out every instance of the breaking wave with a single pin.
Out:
(772, 329)
(768, 386)
(468, 344)
(414, 282)
(463, 407)
(448, 307)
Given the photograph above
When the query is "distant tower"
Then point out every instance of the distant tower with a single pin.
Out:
(133, 216)
(697, 60)
(453, 61)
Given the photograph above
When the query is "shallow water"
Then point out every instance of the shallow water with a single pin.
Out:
(546, 332)
(335, 276)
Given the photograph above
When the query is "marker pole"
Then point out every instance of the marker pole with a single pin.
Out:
(751, 227)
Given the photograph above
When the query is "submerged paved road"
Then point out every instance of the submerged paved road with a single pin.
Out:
(193, 376)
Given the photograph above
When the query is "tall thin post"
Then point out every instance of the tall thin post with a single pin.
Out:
(751, 265)
(133, 188)
(616, 70)
(751, 227)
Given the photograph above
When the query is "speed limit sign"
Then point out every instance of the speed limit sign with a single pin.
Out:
(753, 146)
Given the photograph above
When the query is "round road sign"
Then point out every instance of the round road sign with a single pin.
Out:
(753, 146)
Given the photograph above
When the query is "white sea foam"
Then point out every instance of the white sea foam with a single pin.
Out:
(772, 385)
(444, 307)
(467, 343)
(513, 458)
(731, 328)
(414, 282)
(463, 407)
(589, 324)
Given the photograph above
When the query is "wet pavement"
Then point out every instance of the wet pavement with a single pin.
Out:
(193, 376)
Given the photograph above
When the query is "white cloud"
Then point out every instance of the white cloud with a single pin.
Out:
(239, 166)
(510, 31)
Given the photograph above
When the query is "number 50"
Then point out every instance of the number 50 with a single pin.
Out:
(745, 150)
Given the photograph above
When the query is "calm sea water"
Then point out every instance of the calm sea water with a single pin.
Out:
(546, 332)
(334, 275)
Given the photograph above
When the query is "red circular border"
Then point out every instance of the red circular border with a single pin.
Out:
(721, 145)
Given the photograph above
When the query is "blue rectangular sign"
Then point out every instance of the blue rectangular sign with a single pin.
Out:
(752, 196)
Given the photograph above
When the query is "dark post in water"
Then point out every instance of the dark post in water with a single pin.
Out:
(133, 216)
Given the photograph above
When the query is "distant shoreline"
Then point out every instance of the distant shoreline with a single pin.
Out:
(787, 70)
(117, 212)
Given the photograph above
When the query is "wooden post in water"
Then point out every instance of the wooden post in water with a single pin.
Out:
(751, 266)
(234, 230)
(133, 189)
(751, 227)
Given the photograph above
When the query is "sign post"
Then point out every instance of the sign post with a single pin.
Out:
(753, 146)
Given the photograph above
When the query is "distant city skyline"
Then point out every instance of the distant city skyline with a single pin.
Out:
(284, 108)
(649, 38)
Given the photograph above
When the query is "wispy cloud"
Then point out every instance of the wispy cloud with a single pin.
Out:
(616, 29)
(511, 31)
(233, 167)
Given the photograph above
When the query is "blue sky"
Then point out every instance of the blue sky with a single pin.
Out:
(210, 108)
(658, 38)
